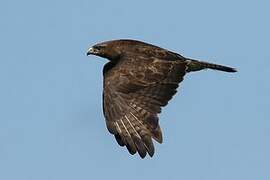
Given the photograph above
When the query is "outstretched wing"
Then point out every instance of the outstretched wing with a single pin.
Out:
(135, 89)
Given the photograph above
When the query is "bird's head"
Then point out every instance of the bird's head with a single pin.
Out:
(109, 50)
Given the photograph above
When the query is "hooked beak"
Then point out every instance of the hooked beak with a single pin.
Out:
(91, 50)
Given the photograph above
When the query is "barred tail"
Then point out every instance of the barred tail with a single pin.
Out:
(194, 65)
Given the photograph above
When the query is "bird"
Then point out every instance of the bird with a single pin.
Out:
(138, 80)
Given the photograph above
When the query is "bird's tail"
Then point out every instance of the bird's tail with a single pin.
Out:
(195, 65)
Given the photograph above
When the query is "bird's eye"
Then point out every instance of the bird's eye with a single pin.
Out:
(99, 47)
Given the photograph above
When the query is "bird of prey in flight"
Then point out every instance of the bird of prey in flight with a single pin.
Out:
(139, 79)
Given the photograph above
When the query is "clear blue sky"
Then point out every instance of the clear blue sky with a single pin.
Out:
(51, 124)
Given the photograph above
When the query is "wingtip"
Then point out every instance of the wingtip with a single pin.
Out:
(142, 154)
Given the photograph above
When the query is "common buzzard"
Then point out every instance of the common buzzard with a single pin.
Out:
(139, 79)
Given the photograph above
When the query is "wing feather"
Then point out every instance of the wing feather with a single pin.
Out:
(134, 95)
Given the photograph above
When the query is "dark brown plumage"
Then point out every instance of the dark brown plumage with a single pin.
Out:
(139, 79)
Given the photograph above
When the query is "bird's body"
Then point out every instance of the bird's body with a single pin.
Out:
(139, 79)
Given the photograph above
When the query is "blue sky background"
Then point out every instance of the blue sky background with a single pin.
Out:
(51, 122)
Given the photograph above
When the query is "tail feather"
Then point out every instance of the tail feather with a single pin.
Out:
(194, 65)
